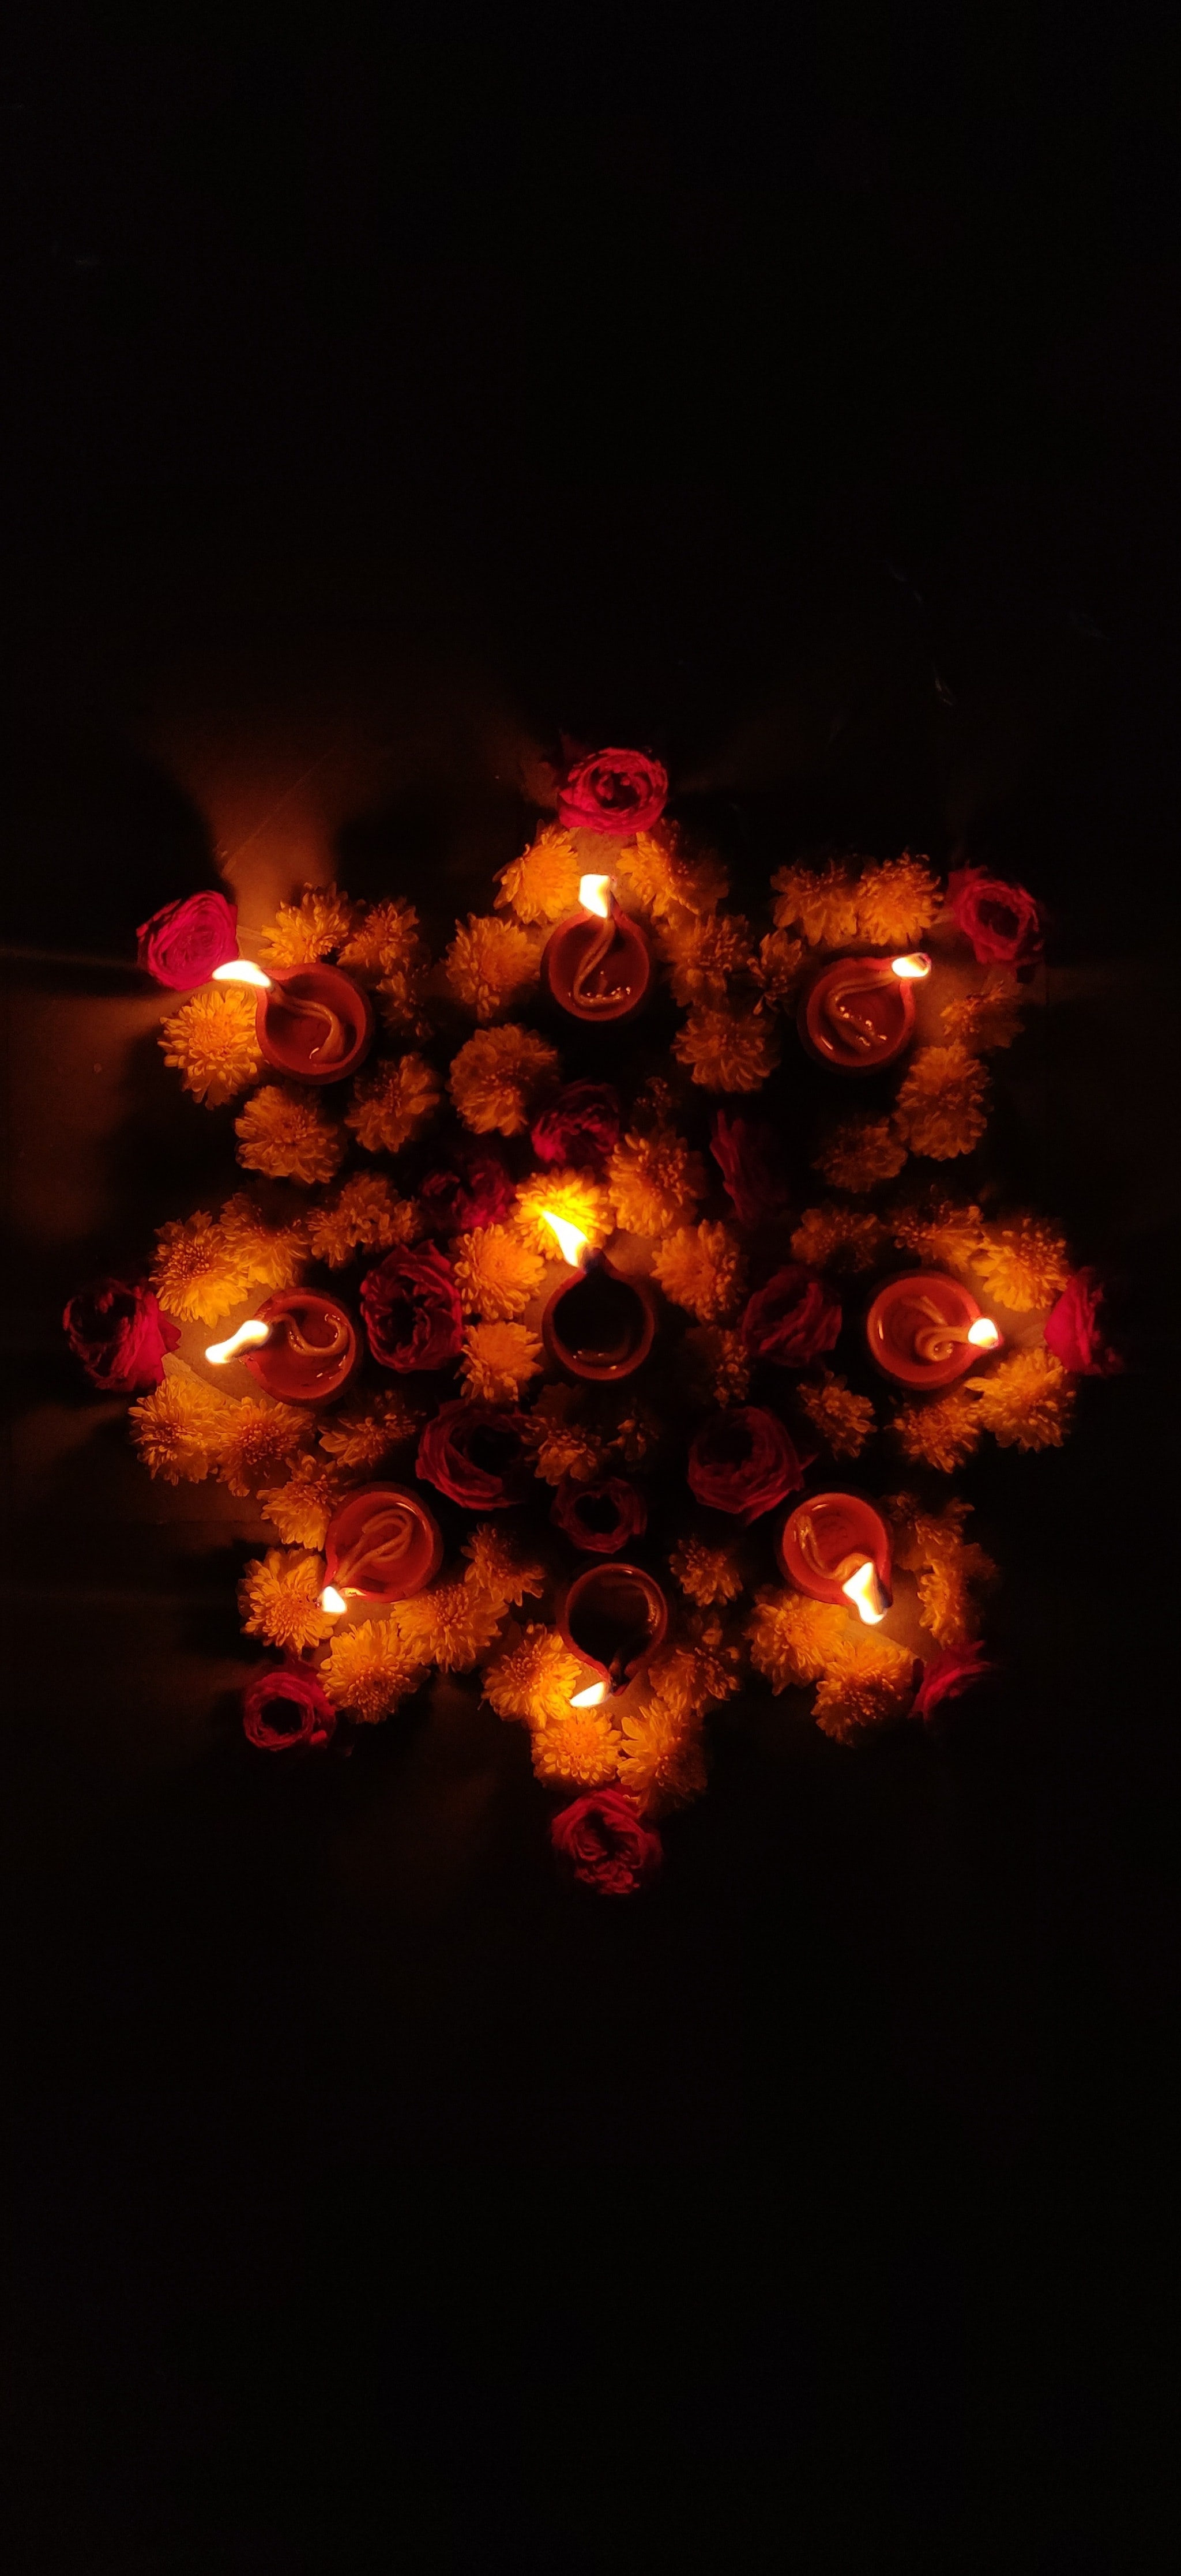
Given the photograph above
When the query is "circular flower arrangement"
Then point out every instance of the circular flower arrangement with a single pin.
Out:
(448, 1194)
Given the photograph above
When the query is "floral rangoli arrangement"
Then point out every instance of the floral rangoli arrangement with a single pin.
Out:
(609, 1303)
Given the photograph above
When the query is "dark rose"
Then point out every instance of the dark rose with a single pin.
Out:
(471, 1188)
(793, 1319)
(948, 1674)
(742, 1461)
(476, 1455)
(181, 945)
(1074, 1331)
(582, 1126)
(613, 791)
(600, 1516)
(603, 1843)
(120, 1336)
(746, 1151)
(284, 1707)
(1002, 921)
(412, 1311)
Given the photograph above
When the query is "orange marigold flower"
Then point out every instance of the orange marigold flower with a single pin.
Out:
(497, 1361)
(580, 1749)
(869, 1682)
(655, 877)
(364, 1431)
(366, 1215)
(707, 1574)
(988, 1019)
(1024, 1263)
(697, 1674)
(289, 1136)
(563, 1445)
(820, 903)
(728, 1050)
(369, 1670)
(932, 1546)
(896, 902)
(860, 1153)
(703, 1269)
(941, 1433)
(385, 941)
(778, 968)
(256, 1440)
(542, 885)
(535, 1679)
(198, 1272)
(573, 1196)
(703, 952)
(270, 1256)
(176, 1428)
(212, 1043)
(491, 965)
(843, 1420)
(838, 1238)
(661, 1759)
(937, 1231)
(497, 1077)
(941, 1106)
(279, 1598)
(496, 1274)
(1026, 1402)
(451, 1626)
(723, 1361)
(314, 927)
(497, 1571)
(654, 1182)
(301, 1509)
(392, 1102)
(793, 1639)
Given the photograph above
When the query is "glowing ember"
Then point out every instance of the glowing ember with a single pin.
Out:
(245, 1339)
(242, 970)
(591, 1698)
(572, 1243)
(594, 894)
(911, 970)
(983, 1334)
(332, 1601)
(865, 1592)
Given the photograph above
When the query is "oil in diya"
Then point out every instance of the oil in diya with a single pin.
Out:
(597, 1325)
(614, 1618)
(312, 1022)
(837, 1548)
(596, 963)
(302, 1346)
(382, 1545)
(858, 1013)
(925, 1330)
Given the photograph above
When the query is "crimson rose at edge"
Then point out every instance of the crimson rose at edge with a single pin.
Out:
(742, 1461)
(120, 1335)
(183, 943)
(1002, 922)
(602, 1840)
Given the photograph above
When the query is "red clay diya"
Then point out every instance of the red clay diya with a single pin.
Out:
(382, 1545)
(596, 963)
(858, 1013)
(312, 1022)
(613, 1617)
(311, 1347)
(600, 1325)
(837, 1548)
(926, 1330)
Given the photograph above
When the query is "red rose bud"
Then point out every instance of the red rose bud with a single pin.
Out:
(284, 1707)
(604, 1845)
(599, 1517)
(793, 1319)
(948, 1675)
(120, 1336)
(747, 1154)
(742, 1461)
(1074, 1333)
(1001, 921)
(581, 1127)
(182, 945)
(472, 1188)
(613, 791)
(412, 1312)
(476, 1455)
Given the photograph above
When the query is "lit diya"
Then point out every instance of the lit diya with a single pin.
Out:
(382, 1545)
(301, 1346)
(858, 1014)
(613, 1617)
(596, 963)
(926, 1330)
(312, 1022)
(837, 1548)
(597, 1325)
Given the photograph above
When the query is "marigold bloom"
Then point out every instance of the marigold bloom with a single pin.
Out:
(366, 1215)
(843, 1420)
(654, 1182)
(896, 902)
(697, 1674)
(452, 1626)
(542, 885)
(364, 1431)
(176, 1428)
(301, 1509)
(728, 1050)
(498, 1360)
(1027, 1401)
(820, 903)
(391, 1102)
(703, 1269)
(573, 1195)
(271, 1256)
(778, 967)
(839, 1238)
(869, 1682)
(497, 1077)
(563, 1445)
(198, 1273)
(497, 1571)
(211, 1041)
(496, 1274)
(384, 940)
(1024, 1263)
(654, 876)
(707, 1574)
(793, 1638)
(860, 1153)
(988, 1019)
(722, 1360)
(491, 965)
(257, 1439)
(932, 1546)
(314, 927)
(369, 1670)
(289, 1136)
(939, 1232)
(661, 1759)
(279, 1598)
(581, 1748)
(536, 1679)
(941, 1106)
(703, 952)
(941, 1433)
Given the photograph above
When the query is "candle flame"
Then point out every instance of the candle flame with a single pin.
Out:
(572, 1243)
(594, 894)
(247, 1334)
(911, 970)
(983, 1334)
(332, 1601)
(866, 1594)
(591, 1698)
(242, 970)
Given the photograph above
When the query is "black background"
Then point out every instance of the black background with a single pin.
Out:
(800, 400)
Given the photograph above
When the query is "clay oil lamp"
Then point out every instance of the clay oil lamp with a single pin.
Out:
(925, 1330)
(301, 1346)
(858, 1013)
(837, 1548)
(614, 1618)
(382, 1545)
(596, 963)
(312, 1022)
(597, 1325)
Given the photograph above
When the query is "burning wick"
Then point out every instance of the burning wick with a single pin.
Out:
(242, 970)
(911, 970)
(333, 1601)
(572, 1243)
(937, 1340)
(594, 894)
(591, 1698)
(865, 1592)
(244, 1339)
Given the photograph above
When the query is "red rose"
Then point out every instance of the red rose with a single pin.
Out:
(476, 1455)
(948, 1674)
(602, 1841)
(613, 791)
(742, 1461)
(582, 1126)
(1001, 921)
(472, 1188)
(746, 1151)
(285, 1706)
(1074, 1333)
(600, 1516)
(793, 1319)
(120, 1336)
(181, 945)
(412, 1311)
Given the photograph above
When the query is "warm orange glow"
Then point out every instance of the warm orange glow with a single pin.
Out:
(911, 970)
(594, 894)
(983, 1334)
(246, 1337)
(242, 970)
(572, 1243)
(333, 1601)
(865, 1592)
(591, 1698)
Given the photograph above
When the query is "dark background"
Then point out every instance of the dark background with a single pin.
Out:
(799, 399)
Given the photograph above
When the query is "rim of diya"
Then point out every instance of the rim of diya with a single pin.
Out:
(383, 1544)
(616, 1314)
(857, 1015)
(295, 1365)
(309, 1008)
(597, 969)
(932, 1298)
(824, 1539)
(614, 1601)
